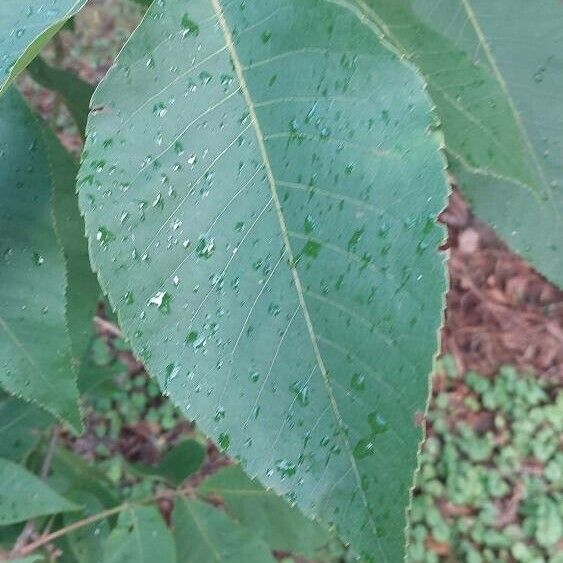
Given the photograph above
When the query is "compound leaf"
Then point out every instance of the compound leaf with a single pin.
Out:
(260, 186)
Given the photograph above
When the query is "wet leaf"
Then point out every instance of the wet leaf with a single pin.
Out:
(25, 26)
(260, 187)
(494, 73)
(141, 536)
(281, 526)
(24, 496)
(204, 533)
(35, 354)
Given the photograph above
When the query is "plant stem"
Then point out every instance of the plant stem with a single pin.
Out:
(48, 538)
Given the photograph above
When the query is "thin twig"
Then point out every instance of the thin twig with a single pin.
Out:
(46, 539)
(106, 326)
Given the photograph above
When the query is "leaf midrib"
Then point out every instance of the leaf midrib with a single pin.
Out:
(298, 286)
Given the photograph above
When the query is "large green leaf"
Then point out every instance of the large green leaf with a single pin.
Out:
(494, 72)
(24, 496)
(25, 26)
(204, 533)
(260, 186)
(282, 527)
(141, 536)
(35, 356)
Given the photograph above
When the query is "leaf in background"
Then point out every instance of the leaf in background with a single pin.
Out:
(141, 536)
(87, 543)
(76, 92)
(82, 290)
(204, 533)
(25, 27)
(494, 70)
(35, 355)
(24, 496)
(70, 474)
(182, 461)
(266, 232)
(281, 526)
(20, 424)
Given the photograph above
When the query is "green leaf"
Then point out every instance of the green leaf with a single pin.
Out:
(34, 343)
(70, 475)
(20, 425)
(182, 461)
(248, 223)
(204, 533)
(24, 496)
(493, 70)
(82, 291)
(87, 543)
(75, 92)
(25, 26)
(141, 536)
(282, 527)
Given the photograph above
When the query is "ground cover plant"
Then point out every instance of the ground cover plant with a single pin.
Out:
(257, 203)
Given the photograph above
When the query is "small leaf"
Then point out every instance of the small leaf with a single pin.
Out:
(25, 26)
(20, 425)
(206, 534)
(87, 543)
(182, 461)
(75, 91)
(82, 291)
(35, 350)
(24, 496)
(71, 474)
(263, 512)
(141, 536)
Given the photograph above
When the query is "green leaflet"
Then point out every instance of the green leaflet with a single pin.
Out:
(20, 423)
(204, 533)
(141, 536)
(75, 91)
(25, 26)
(494, 73)
(82, 289)
(260, 187)
(24, 496)
(282, 527)
(180, 462)
(34, 345)
(87, 543)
